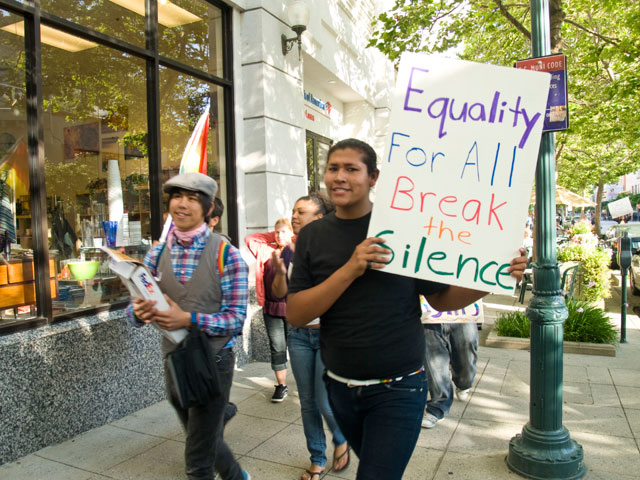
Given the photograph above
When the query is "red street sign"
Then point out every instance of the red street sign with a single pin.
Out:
(557, 113)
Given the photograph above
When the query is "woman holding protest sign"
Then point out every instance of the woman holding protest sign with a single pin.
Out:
(371, 337)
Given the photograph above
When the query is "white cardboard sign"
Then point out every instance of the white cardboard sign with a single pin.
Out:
(620, 208)
(458, 169)
(470, 314)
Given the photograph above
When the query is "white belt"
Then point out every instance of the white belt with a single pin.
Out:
(350, 382)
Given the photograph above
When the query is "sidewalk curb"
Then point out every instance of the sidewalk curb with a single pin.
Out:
(603, 349)
(616, 279)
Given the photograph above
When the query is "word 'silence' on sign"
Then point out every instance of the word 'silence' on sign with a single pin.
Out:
(444, 265)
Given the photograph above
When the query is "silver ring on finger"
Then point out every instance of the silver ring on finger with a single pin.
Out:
(369, 263)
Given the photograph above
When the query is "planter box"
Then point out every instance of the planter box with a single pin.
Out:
(604, 349)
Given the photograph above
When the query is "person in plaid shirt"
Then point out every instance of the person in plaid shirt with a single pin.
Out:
(205, 281)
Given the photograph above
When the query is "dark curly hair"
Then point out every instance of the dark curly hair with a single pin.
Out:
(369, 157)
(218, 208)
(323, 204)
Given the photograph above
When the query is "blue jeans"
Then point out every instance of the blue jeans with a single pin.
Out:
(308, 369)
(277, 333)
(204, 426)
(381, 423)
(454, 344)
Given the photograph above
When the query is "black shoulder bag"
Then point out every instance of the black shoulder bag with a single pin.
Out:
(193, 369)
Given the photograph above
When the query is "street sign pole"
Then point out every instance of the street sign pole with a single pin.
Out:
(624, 257)
(623, 308)
(544, 449)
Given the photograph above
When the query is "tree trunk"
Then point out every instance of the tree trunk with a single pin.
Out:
(556, 18)
(599, 195)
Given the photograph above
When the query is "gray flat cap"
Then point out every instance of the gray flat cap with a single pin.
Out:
(194, 181)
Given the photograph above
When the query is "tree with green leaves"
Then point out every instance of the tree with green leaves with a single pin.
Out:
(601, 39)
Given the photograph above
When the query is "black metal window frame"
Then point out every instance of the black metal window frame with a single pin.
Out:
(33, 16)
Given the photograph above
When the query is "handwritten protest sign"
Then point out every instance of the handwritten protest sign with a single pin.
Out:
(620, 208)
(458, 168)
(470, 314)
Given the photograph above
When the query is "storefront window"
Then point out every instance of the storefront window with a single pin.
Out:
(190, 31)
(183, 101)
(96, 168)
(17, 287)
(123, 19)
(317, 150)
(96, 142)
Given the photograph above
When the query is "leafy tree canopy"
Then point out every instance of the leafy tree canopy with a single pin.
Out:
(601, 39)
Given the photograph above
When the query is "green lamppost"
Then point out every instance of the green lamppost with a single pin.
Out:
(544, 449)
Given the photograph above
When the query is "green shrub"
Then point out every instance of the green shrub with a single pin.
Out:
(514, 324)
(585, 323)
(581, 227)
(594, 269)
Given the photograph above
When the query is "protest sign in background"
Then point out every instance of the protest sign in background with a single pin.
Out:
(458, 168)
(471, 314)
(620, 208)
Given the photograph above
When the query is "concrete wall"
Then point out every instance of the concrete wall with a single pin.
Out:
(62, 380)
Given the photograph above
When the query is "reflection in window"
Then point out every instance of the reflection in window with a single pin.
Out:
(183, 100)
(17, 287)
(96, 168)
(191, 34)
(118, 18)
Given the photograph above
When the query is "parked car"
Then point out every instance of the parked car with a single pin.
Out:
(634, 274)
(613, 235)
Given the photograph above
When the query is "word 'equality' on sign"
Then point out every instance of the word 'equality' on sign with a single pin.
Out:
(491, 111)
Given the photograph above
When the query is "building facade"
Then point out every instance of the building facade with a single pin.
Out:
(97, 102)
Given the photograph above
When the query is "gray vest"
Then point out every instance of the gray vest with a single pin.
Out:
(202, 293)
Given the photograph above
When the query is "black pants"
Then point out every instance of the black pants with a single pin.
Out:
(205, 448)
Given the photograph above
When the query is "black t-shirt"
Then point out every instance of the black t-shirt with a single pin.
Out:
(373, 330)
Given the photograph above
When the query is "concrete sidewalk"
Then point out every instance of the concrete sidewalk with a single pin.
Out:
(601, 411)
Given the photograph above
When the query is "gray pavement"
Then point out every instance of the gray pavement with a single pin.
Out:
(601, 411)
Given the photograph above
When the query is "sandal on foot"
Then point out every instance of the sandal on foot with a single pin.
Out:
(336, 460)
(311, 475)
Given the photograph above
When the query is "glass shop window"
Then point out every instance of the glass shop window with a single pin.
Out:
(96, 169)
(317, 150)
(123, 19)
(183, 100)
(190, 31)
(17, 286)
